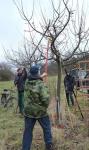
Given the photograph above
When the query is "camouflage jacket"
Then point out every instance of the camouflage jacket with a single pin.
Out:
(36, 99)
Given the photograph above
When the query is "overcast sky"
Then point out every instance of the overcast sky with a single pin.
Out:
(11, 24)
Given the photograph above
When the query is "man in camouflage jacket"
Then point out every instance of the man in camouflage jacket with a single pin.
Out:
(36, 104)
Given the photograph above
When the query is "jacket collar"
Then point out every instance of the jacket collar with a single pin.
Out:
(30, 78)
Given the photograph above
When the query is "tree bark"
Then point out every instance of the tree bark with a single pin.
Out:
(58, 88)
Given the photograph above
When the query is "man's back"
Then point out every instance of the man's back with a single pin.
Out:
(36, 98)
(69, 82)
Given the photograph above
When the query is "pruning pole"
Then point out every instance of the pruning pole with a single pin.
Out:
(78, 105)
(46, 62)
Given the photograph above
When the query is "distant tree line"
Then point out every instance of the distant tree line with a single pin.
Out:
(6, 73)
(70, 64)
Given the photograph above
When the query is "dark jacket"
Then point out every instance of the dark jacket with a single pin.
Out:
(36, 98)
(69, 82)
(20, 81)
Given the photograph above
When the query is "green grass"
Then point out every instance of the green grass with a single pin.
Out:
(52, 84)
(7, 85)
(12, 126)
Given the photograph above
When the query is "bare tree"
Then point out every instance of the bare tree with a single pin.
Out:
(23, 56)
(65, 30)
(31, 51)
(6, 72)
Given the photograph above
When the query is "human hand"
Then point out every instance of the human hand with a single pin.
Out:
(44, 75)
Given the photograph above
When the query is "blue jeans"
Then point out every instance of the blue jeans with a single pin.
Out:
(28, 132)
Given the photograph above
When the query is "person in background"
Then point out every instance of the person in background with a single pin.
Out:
(69, 83)
(20, 83)
(35, 109)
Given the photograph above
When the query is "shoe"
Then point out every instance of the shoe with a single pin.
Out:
(49, 147)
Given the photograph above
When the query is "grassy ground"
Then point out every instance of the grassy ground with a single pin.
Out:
(10, 123)
(74, 136)
(7, 85)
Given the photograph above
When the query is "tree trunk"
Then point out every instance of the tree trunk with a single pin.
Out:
(58, 89)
